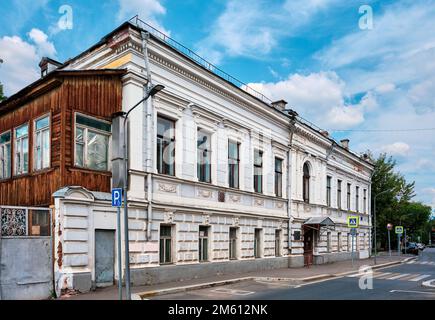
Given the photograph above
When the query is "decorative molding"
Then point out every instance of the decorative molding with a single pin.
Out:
(235, 198)
(258, 202)
(236, 221)
(169, 217)
(203, 193)
(279, 204)
(206, 219)
(171, 188)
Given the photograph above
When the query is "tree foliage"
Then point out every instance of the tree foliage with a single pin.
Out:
(2, 97)
(393, 203)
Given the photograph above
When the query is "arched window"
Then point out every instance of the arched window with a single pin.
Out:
(306, 183)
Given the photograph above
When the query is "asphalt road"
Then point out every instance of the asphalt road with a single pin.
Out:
(401, 282)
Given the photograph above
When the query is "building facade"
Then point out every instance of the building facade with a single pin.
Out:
(220, 179)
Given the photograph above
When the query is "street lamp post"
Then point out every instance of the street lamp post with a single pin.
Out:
(150, 92)
(374, 217)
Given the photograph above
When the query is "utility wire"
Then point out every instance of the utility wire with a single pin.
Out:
(382, 130)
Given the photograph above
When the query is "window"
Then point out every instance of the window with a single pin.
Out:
(204, 156)
(328, 191)
(21, 146)
(233, 164)
(306, 184)
(365, 201)
(42, 143)
(349, 242)
(165, 146)
(92, 143)
(40, 222)
(233, 243)
(165, 244)
(203, 243)
(258, 171)
(278, 177)
(277, 243)
(348, 196)
(357, 199)
(5, 155)
(297, 235)
(339, 241)
(339, 194)
(257, 243)
(328, 241)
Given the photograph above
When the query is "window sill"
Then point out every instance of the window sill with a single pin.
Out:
(103, 172)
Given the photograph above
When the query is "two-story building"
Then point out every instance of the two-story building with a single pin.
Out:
(220, 178)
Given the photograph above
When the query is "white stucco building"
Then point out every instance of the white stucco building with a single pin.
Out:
(232, 199)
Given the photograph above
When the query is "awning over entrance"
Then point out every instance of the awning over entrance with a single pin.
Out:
(319, 221)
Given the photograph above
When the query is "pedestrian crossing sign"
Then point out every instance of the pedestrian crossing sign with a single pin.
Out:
(352, 221)
(399, 229)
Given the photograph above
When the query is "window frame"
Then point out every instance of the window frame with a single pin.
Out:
(172, 140)
(237, 165)
(258, 243)
(348, 193)
(278, 191)
(165, 238)
(15, 173)
(339, 192)
(357, 198)
(202, 166)
(365, 200)
(232, 253)
(258, 186)
(328, 190)
(306, 183)
(2, 147)
(85, 138)
(35, 131)
(278, 241)
(201, 247)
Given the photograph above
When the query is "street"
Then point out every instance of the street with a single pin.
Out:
(400, 282)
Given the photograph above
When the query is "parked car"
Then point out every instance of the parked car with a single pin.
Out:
(421, 246)
(411, 248)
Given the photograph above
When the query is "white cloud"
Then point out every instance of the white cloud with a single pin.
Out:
(422, 95)
(21, 58)
(44, 47)
(253, 28)
(320, 98)
(149, 11)
(396, 149)
(385, 88)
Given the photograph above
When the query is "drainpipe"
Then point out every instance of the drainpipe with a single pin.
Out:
(292, 123)
(149, 135)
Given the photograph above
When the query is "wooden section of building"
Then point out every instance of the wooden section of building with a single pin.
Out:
(60, 94)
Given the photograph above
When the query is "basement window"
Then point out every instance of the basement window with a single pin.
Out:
(91, 143)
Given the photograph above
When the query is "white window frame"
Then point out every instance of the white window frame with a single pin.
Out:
(20, 150)
(35, 143)
(85, 138)
(3, 174)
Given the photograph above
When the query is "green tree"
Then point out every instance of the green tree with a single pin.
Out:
(2, 97)
(395, 206)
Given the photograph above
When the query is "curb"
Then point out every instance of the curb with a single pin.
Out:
(153, 293)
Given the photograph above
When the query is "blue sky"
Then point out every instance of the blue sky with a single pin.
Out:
(312, 53)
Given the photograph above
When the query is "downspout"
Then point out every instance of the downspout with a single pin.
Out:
(149, 120)
(292, 123)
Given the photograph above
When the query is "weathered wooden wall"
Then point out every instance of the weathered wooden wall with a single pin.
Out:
(96, 95)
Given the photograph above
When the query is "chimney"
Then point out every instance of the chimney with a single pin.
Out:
(47, 65)
(325, 133)
(345, 143)
(280, 104)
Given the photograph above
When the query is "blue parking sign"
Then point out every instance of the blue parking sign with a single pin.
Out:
(117, 197)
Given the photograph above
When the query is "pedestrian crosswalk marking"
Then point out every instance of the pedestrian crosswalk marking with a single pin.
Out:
(424, 276)
(394, 276)
(431, 263)
(401, 275)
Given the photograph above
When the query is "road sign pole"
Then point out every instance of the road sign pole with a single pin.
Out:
(353, 239)
(389, 243)
(404, 230)
(398, 244)
(118, 222)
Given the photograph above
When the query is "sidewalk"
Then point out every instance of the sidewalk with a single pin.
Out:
(111, 293)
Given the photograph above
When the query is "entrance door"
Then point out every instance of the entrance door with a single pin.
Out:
(104, 257)
(308, 246)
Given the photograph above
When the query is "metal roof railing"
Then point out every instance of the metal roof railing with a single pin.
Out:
(198, 59)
